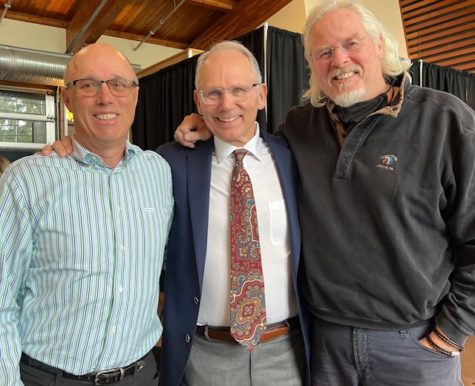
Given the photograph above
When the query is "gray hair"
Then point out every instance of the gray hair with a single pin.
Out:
(392, 64)
(228, 45)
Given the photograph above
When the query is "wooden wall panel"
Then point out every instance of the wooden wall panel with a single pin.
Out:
(440, 32)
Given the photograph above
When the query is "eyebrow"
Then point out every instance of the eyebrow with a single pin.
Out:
(113, 76)
(354, 36)
(231, 86)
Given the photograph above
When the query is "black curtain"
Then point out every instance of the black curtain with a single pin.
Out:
(254, 41)
(458, 83)
(287, 74)
(165, 97)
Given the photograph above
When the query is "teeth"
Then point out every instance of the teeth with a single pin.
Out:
(228, 119)
(106, 116)
(345, 75)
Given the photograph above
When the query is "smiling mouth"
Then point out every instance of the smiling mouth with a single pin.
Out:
(227, 120)
(106, 117)
(344, 75)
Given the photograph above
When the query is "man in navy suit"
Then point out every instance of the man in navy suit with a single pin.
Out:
(198, 348)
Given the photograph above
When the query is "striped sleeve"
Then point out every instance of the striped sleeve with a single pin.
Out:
(15, 252)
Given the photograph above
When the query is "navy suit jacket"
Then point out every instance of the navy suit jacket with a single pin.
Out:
(186, 250)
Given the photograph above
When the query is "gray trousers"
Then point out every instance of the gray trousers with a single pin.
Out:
(346, 356)
(280, 362)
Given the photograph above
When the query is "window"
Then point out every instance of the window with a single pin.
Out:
(27, 118)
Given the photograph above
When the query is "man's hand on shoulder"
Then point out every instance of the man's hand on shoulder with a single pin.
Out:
(192, 129)
(62, 147)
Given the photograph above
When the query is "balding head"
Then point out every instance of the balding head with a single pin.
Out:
(101, 91)
(98, 54)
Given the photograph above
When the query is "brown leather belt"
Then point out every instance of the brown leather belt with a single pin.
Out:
(272, 331)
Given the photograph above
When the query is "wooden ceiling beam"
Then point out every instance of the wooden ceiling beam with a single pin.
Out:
(243, 19)
(465, 67)
(36, 19)
(151, 40)
(217, 5)
(90, 21)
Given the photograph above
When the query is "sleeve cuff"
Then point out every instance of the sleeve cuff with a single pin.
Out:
(452, 330)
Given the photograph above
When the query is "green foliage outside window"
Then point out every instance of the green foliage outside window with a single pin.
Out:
(22, 105)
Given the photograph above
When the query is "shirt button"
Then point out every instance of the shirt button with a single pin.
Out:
(196, 300)
(121, 289)
(187, 338)
(113, 329)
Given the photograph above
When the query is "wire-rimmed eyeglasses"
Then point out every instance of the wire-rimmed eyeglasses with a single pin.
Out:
(238, 94)
(91, 87)
(327, 52)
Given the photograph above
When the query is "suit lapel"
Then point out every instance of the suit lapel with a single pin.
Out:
(199, 182)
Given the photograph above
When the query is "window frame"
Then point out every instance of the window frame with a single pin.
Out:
(50, 117)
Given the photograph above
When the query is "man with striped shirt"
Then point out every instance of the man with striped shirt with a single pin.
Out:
(82, 241)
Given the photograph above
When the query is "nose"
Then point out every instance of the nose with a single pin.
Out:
(340, 56)
(104, 95)
(226, 100)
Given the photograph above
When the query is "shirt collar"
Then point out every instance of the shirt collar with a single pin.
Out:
(81, 154)
(223, 149)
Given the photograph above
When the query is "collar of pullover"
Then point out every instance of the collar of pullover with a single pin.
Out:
(350, 116)
(389, 103)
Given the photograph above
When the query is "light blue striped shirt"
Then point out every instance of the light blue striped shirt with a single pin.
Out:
(81, 248)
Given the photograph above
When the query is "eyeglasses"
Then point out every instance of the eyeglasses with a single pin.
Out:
(91, 87)
(326, 53)
(238, 94)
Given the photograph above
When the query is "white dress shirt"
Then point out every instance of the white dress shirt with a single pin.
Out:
(273, 235)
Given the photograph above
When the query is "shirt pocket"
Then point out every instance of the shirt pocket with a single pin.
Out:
(278, 222)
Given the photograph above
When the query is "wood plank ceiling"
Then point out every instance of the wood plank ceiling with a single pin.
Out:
(440, 32)
(174, 23)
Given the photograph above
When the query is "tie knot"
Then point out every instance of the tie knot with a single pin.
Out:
(239, 154)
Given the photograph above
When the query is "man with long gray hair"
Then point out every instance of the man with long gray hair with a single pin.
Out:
(387, 208)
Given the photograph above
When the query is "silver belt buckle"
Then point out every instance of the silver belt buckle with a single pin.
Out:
(108, 374)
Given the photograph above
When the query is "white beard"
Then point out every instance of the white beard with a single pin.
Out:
(347, 99)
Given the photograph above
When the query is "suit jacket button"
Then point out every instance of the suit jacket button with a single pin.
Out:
(187, 338)
(196, 299)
